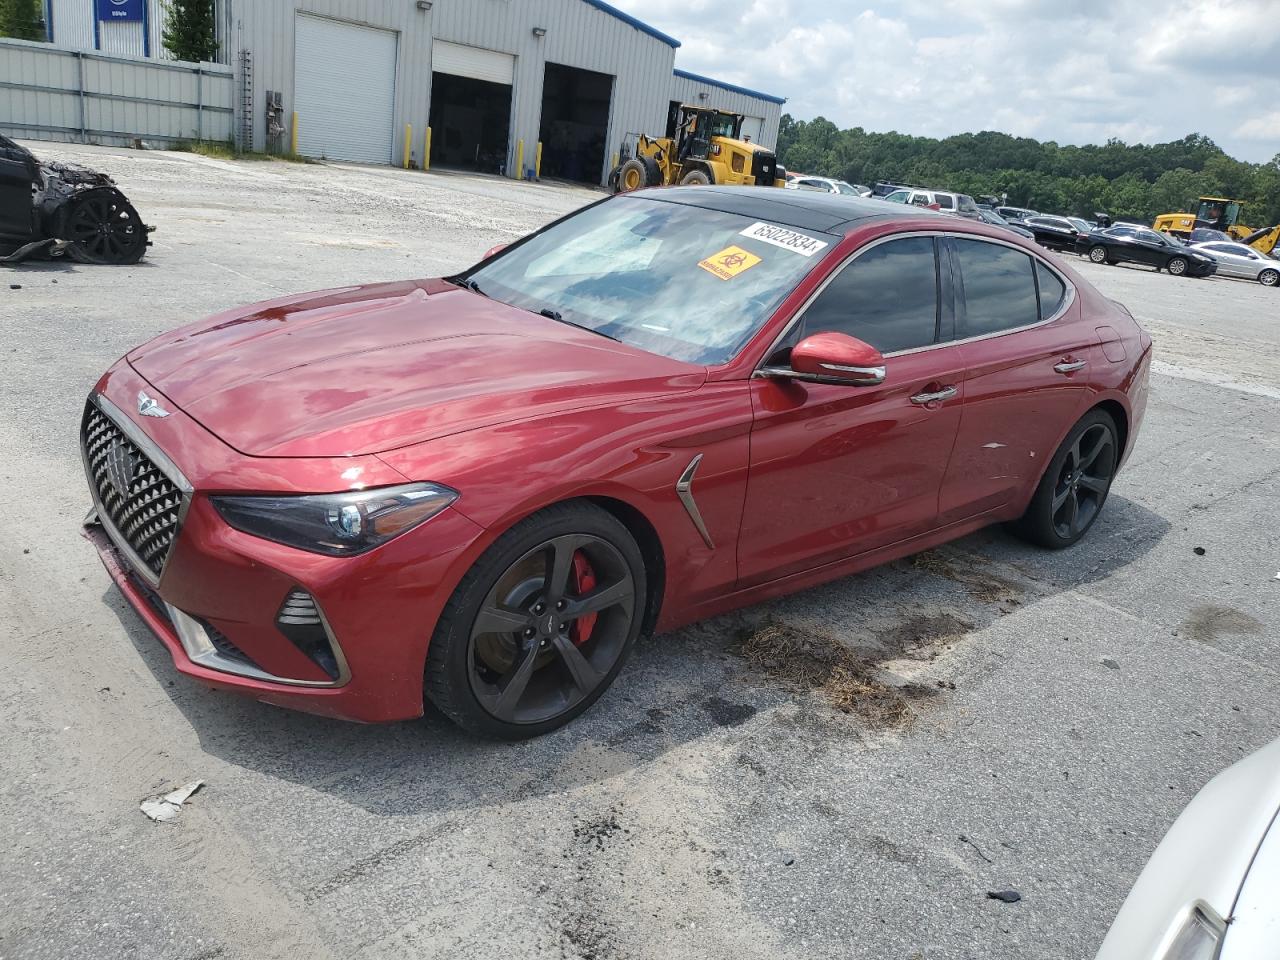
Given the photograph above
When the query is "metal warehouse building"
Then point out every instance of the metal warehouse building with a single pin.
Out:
(499, 86)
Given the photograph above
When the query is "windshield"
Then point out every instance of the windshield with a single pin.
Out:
(677, 280)
(721, 125)
(1167, 240)
(846, 188)
(990, 216)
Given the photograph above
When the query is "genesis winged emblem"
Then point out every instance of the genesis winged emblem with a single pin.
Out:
(148, 407)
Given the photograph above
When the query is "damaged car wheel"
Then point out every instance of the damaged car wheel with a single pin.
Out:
(102, 227)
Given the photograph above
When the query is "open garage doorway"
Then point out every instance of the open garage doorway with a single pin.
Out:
(470, 107)
(575, 123)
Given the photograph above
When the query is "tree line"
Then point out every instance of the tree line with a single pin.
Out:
(1128, 181)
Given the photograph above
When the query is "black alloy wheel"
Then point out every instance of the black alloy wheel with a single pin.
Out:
(1098, 253)
(540, 626)
(104, 228)
(1177, 266)
(1074, 488)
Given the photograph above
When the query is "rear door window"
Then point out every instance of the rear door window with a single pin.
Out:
(999, 287)
(886, 296)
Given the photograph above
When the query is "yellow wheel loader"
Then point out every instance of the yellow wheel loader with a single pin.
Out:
(702, 146)
(1222, 214)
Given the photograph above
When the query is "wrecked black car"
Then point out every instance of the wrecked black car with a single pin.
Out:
(55, 209)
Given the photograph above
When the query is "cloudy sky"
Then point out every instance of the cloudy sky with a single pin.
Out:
(1074, 71)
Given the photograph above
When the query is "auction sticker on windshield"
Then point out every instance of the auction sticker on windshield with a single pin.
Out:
(799, 243)
(729, 262)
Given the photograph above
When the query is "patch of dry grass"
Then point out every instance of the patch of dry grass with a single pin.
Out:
(810, 661)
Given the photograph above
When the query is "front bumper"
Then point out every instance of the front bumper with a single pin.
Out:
(378, 609)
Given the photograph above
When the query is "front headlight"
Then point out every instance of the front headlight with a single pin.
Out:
(336, 524)
(1199, 938)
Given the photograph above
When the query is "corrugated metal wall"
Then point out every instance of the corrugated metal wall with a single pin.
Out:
(687, 91)
(577, 35)
(52, 94)
(73, 29)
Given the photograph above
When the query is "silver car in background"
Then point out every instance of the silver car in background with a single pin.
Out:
(1211, 891)
(1241, 260)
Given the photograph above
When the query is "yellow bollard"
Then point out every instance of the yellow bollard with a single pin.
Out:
(537, 163)
(408, 143)
(293, 136)
(426, 151)
(519, 159)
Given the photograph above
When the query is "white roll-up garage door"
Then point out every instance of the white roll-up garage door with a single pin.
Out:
(752, 127)
(344, 79)
(474, 62)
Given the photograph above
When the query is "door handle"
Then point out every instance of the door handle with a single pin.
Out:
(935, 396)
(1070, 366)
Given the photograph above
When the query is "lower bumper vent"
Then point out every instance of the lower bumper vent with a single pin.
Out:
(300, 621)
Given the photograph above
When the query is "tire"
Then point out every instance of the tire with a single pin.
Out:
(695, 178)
(1269, 278)
(1177, 266)
(537, 670)
(632, 175)
(1075, 485)
(102, 227)
(1098, 253)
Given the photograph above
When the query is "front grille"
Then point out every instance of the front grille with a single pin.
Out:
(764, 167)
(138, 499)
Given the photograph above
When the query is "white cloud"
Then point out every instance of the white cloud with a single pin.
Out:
(1071, 72)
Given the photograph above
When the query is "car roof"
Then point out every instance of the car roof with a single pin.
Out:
(833, 213)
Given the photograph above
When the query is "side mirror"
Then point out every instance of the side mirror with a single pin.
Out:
(836, 358)
(494, 251)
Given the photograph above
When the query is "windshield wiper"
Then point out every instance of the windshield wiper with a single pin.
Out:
(559, 318)
(470, 285)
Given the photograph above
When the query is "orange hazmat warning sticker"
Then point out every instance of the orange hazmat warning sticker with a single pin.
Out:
(729, 262)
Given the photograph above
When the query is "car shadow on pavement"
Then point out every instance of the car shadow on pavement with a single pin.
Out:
(679, 688)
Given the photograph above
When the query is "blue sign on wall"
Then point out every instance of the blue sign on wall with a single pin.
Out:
(122, 11)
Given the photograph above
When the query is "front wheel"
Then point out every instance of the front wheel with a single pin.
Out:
(1177, 266)
(541, 624)
(1075, 485)
(1269, 278)
(1098, 253)
(103, 228)
(695, 178)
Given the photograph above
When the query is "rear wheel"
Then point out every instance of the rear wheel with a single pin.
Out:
(1177, 266)
(1269, 278)
(695, 178)
(1098, 253)
(1075, 485)
(540, 626)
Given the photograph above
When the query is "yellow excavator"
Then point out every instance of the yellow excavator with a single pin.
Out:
(702, 146)
(1222, 214)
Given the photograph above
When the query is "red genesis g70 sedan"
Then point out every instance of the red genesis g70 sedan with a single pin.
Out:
(480, 490)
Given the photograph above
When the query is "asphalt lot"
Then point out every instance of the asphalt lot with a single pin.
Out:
(702, 809)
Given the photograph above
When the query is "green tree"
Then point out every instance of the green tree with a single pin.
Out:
(23, 19)
(190, 31)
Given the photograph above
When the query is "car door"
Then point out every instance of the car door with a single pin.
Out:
(837, 470)
(17, 174)
(1236, 261)
(1150, 249)
(1027, 360)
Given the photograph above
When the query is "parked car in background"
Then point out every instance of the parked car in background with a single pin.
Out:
(827, 185)
(310, 501)
(958, 204)
(993, 218)
(1057, 233)
(1209, 235)
(882, 188)
(1084, 226)
(1126, 244)
(1211, 890)
(1016, 214)
(1241, 260)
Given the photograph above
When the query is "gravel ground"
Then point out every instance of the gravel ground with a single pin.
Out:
(1059, 711)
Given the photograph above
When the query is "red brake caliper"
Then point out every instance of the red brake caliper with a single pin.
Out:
(584, 581)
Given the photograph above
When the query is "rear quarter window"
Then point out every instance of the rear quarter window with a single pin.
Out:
(1052, 291)
(942, 200)
(999, 287)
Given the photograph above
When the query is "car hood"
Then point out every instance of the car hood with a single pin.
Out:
(362, 370)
